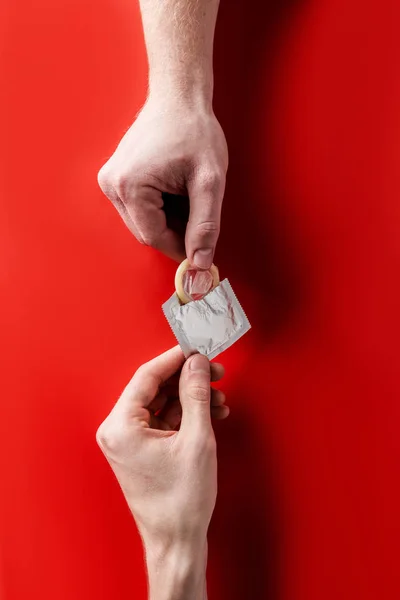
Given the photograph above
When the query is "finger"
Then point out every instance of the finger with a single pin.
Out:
(217, 397)
(170, 244)
(171, 390)
(195, 394)
(168, 410)
(145, 384)
(217, 371)
(167, 395)
(159, 402)
(171, 415)
(109, 190)
(176, 209)
(173, 382)
(202, 231)
(220, 412)
(144, 208)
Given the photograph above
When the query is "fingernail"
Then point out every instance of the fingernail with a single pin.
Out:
(198, 363)
(203, 258)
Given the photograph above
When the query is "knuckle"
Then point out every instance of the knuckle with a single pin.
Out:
(210, 180)
(103, 178)
(148, 239)
(109, 438)
(207, 227)
(121, 183)
(105, 181)
(103, 436)
(149, 232)
(145, 378)
(142, 372)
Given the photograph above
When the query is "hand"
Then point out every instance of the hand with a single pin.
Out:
(161, 446)
(174, 148)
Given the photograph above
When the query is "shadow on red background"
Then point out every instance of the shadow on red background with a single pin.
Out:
(254, 238)
(247, 529)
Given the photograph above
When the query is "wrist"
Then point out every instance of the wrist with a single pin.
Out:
(194, 90)
(177, 571)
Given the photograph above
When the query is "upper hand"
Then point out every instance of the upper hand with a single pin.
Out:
(176, 149)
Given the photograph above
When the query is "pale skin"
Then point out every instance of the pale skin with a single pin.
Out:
(161, 446)
(158, 438)
(176, 144)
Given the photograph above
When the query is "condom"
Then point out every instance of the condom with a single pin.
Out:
(192, 283)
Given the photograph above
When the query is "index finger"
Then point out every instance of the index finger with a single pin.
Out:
(145, 210)
(146, 382)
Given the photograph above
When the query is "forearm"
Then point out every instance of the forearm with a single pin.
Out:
(179, 38)
(177, 573)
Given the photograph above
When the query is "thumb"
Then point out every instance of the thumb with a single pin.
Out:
(194, 393)
(204, 220)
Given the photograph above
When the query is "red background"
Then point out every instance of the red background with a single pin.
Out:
(308, 93)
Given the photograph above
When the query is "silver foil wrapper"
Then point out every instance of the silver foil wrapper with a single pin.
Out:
(208, 326)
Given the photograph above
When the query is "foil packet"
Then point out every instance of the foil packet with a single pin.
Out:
(210, 325)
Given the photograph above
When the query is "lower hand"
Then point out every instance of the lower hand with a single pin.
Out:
(160, 444)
